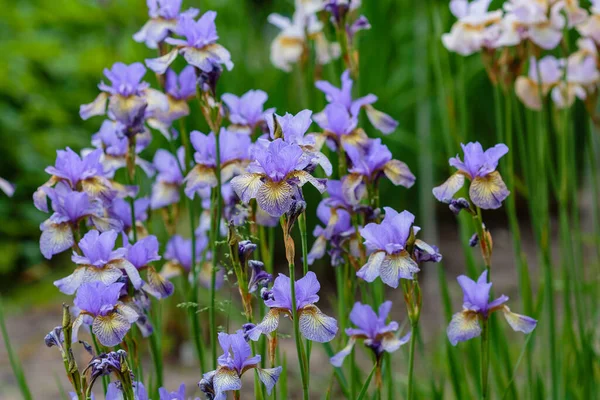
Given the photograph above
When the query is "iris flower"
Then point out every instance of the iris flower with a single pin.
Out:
(246, 112)
(381, 121)
(314, 325)
(100, 308)
(165, 190)
(378, 335)
(163, 20)
(275, 177)
(477, 307)
(178, 395)
(232, 364)
(200, 48)
(590, 27)
(487, 189)
(392, 248)
(99, 262)
(140, 255)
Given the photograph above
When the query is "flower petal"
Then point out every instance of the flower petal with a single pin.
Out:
(391, 342)
(96, 107)
(158, 286)
(448, 189)
(350, 188)
(397, 266)
(107, 275)
(246, 186)
(110, 329)
(160, 64)
(131, 271)
(370, 270)
(275, 197)
(316, 326)
(519, 323)
(338, 359)
(55, 238)
(380, 120)
(225, 380)
(463, 326)
(319, 184)
(269, 377)
(489, 191)
(399, 173)
(70, 284)
(269, 323)
(199, 177)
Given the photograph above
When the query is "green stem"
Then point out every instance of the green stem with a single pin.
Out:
(297, 337)
(411, 360)
(485, 363)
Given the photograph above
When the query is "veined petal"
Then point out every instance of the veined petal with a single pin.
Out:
(160, 64)
(316, 326)
(380, 120)
(446, 191)
(371, 269)
(399, 173)
(397, 266)
(338, 359)
(488, 191)
(110, 329)
(76, 326)
(164, 194)
(391, 342)
(319, 184)
(269, 377)
(107, 275)
(70, 284)
(98, 187)
(55, 238)
(269, 323)
(128, 312)
(199, 58)
(463, 326)
(96, 107)
(199, 177)
(322, 159)
(350, 186)
(519, 323)
(131, 271)
(221, 54)
(275, 197)
(225, 380)
(158, 286)
(246, 186)
(318, 250)
(171, 269)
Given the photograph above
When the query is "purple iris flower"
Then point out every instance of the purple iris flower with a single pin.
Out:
(477, 307)
(368, 163)
(339, 126)
(120, 210)
(314, 325)
(259, 278)
(165, 191)
(391, 245)
(275, 177)
(99, 262)
(179, 260)
(70, 208)
(163, 20)
(234, 157)
(487, 189)
(200, 48)
(246, 112)
(115, 392)
(383, 122)
(131, 100)
(236, 359)
(178, 395)
(140, 255)
(378, 335)
(100, 308)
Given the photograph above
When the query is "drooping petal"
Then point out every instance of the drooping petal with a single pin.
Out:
(446, 191)
(371, 269)
(246, 186)
(107, 275)
(380, 120)
(488, 192)
(55, 238)
(76, 326)
(319, 184)
(399, 173)
(350, 188)
(463, 326)
(397, 266)
(225, 380)
(131, 271)
(96, 107)
(391, 342)
(318, 250)
(110, 329)
(269, 323)
(158, 286)
(275, 197)
(269, 377)
(70, 284)
(527, 91)
(316, 326)
(199, 177)
(519, 323)
(338, 359)
(160, 64)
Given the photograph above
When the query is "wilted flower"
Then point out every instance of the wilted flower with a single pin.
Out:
(475, 29)
(378, 335)
(236, 359)
(381, 121)
(165, 191)
(275, 178)
(369, 163)
(291, 44)
(200, 48)
(314, 325)
(392, 245)
(246, 112)
(234, 151)
(477, 308)
(163, 20)
(259, 278)
(130, 99)
(99, 262)
(487, 189)
(100, 308)
(106, 363)
(55, 337)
